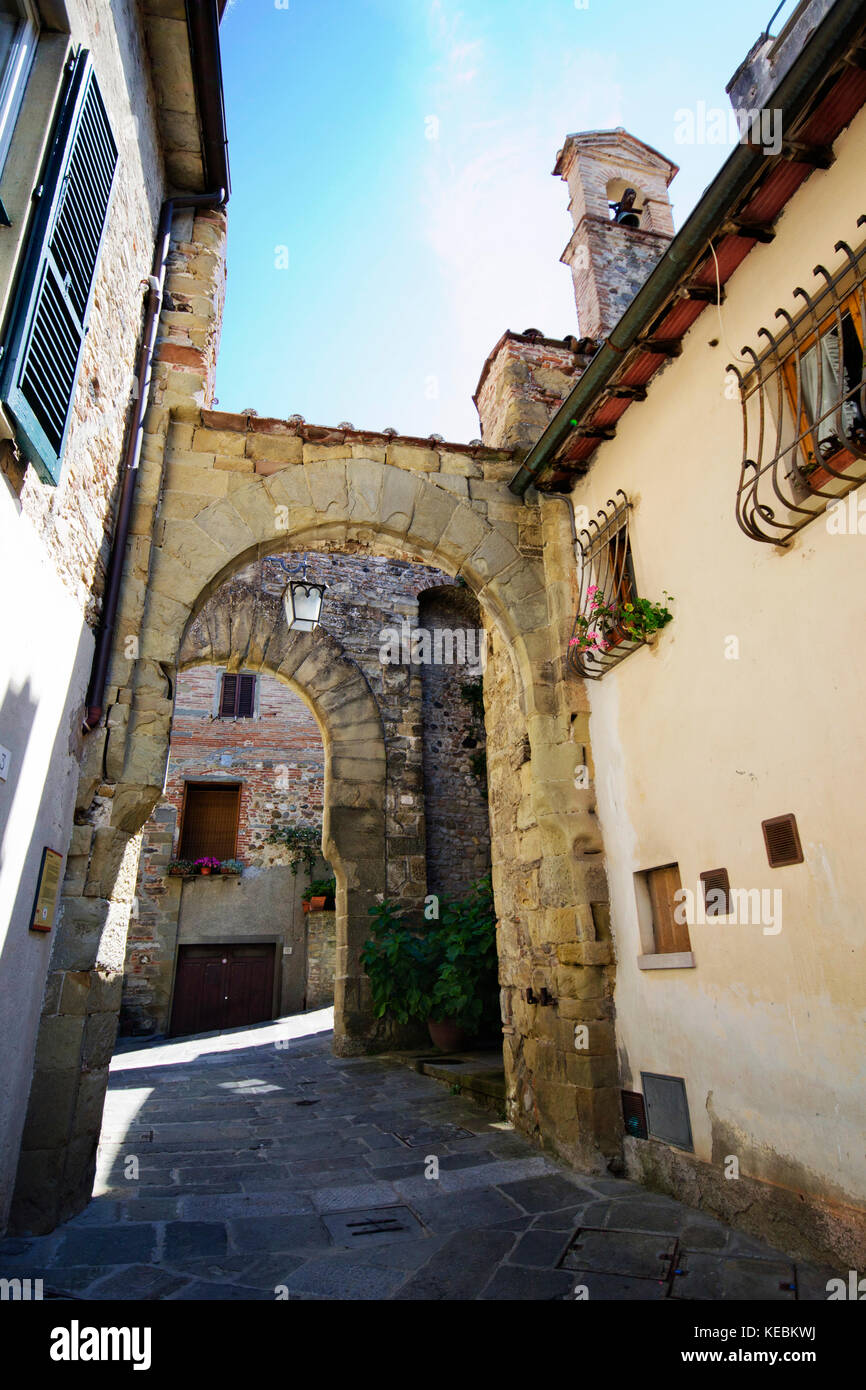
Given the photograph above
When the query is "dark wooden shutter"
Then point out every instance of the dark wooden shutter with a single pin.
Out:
(782, 841)
(238, 696)
(246, 696)
(210, 821)
(49, 320)
(228, 695)
(717, 892)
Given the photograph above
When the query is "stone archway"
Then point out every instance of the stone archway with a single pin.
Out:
(215, 496)
(248, 630)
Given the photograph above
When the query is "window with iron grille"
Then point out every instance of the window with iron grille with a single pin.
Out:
(44, 343)
(237, 696)
(607, 585)
(804, 406)
(209, 822)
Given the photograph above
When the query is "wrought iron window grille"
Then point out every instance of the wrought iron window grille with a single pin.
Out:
(606, 581)
(804, 406)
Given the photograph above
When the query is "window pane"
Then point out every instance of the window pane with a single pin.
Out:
(19, 29)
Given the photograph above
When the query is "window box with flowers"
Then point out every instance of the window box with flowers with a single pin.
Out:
(612, 619)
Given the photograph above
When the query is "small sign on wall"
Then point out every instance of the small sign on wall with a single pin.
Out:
(47, 891)
(5, 760)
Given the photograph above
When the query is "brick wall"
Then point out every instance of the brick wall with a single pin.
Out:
(277, 756)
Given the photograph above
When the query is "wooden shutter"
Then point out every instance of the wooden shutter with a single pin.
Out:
(246, 696)
(670, 935)
(238, 696)
(210, 821)
(42, 352)
(228, 695)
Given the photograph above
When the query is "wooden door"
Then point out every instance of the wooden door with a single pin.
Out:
(218, 987)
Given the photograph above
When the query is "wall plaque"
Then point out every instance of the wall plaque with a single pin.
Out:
(47, 891)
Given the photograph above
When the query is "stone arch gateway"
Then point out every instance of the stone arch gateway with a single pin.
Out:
(217, 491)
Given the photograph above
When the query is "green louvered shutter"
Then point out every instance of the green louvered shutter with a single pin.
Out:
(49, 320)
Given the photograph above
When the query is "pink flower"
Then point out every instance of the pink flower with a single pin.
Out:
(593, 589)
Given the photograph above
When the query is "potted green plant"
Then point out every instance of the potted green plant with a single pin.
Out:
(321, 895)
(181, 868)
(466, 986)
(608, 624)
(207, 865)
(231, 866)
(445, 976)
(400, 964)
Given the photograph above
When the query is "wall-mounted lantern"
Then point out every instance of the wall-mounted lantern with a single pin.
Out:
(302, 600)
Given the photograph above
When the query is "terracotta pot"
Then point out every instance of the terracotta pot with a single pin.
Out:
(306, 907)
(205, 870)
(447, 1035)
(318, 902)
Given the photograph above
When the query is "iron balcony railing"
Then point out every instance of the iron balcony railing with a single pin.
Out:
(804, 406)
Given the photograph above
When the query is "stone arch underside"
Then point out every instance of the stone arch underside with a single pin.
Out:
(247, 629)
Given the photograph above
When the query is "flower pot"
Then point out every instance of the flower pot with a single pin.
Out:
(306, 906)
(318, 902)
(204, 870)
(447, 1035)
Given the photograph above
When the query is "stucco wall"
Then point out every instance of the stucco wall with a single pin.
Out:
(53, 540)
(693, 750)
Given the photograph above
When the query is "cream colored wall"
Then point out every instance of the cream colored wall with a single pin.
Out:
(692, 751)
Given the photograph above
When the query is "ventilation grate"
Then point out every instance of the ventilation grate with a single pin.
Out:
(782, 840)
(717, 892)
(634, 1114)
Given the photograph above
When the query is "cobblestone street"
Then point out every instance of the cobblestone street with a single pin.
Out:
(268, 1168)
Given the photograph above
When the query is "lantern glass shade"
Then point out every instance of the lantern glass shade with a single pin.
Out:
(303, 601)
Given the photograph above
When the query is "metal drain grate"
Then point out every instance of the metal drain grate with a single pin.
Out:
(432, 1134)
(373, 1226)
(629, 1254)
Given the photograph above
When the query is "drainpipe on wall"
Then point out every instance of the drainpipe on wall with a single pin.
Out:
(202, 18)
(132, 454)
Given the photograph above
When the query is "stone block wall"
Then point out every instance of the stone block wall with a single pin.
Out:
(321, 942)
(524, 382)
(454, 740)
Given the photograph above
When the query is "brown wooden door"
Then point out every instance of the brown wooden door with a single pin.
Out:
(218, 987)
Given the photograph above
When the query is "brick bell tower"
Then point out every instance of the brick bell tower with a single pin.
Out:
(622, 220)
(622, 223)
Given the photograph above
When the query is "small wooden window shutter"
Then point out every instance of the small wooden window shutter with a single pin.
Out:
(237, 696)
(228, 695)
(246, 696)
(43, 347)
(670, 934)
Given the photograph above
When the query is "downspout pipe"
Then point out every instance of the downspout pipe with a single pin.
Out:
(733, 181)
(132, 453)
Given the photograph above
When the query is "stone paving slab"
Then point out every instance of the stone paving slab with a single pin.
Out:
(245, 1190)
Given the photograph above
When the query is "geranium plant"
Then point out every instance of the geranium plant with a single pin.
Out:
(607, 623)
(207, 865)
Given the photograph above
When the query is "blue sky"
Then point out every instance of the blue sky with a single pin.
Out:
(371, 267)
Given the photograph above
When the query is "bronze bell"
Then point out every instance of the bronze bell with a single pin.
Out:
(625, 214)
